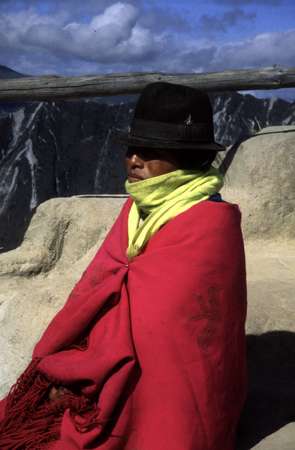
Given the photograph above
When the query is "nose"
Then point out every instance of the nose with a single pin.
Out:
(133, 159)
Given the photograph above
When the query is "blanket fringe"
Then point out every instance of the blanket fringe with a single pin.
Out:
(32, 421)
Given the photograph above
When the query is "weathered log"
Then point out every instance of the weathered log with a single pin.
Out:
(54, 87)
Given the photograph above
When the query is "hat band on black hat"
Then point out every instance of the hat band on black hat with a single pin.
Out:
(195, 132)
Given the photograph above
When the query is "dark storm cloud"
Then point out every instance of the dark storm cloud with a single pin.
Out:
(229, 19)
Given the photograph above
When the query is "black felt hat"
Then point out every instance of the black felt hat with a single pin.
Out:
(171, 116)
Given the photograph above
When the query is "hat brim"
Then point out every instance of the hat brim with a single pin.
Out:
(124, 138)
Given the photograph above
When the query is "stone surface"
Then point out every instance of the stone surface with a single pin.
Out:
(281, 440)
(261, 178)
(271, 286)
(64, 234)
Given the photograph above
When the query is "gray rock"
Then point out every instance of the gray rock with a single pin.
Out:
(261, 178)
(283, 439)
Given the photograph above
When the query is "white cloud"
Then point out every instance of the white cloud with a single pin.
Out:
(104, 33)
(111, 37)
(262, 50)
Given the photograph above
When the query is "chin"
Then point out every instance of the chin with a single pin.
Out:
(133, 179)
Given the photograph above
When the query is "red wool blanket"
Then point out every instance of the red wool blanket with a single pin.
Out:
(152, 351)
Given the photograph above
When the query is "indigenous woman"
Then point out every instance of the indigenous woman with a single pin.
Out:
(148, 352)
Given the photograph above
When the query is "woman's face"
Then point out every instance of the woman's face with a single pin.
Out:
(146, 163)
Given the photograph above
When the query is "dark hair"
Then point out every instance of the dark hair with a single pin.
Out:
(199, 159)
(193, 159)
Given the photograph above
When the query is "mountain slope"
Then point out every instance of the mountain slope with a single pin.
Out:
(6, 72)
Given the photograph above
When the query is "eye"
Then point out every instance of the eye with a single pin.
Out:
(149, 153)
(144, 153)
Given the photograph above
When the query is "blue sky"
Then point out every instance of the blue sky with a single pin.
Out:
(72, 37)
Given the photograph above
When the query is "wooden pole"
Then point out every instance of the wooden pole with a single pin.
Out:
(54, 87)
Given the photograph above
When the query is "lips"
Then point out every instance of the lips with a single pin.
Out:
(134, 177)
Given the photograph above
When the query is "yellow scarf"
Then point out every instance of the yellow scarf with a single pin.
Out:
(159, 199)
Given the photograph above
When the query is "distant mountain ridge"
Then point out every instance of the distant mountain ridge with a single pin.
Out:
(57, 149)
(6, 72)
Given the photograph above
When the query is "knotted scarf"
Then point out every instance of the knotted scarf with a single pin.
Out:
(159, 199)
